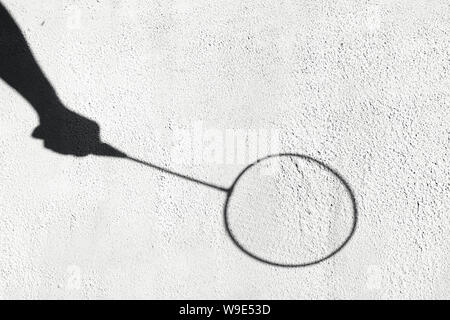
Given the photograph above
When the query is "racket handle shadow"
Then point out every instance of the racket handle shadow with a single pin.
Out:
(106, 150)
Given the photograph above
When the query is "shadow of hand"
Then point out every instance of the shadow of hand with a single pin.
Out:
(66, 132)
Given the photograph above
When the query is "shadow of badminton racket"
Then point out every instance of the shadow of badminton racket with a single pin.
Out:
(107, 150)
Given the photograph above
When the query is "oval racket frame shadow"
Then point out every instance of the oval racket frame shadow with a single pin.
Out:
(347, 186)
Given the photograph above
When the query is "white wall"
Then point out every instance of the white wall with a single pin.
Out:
(362, 85)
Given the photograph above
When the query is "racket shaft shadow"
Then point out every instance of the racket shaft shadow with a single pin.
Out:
(178, 175)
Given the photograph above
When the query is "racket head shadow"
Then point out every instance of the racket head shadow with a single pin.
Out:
(345, 186)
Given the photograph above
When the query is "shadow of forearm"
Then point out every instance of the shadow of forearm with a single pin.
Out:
(19, 69)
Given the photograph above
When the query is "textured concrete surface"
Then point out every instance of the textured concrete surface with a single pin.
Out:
(364, 86)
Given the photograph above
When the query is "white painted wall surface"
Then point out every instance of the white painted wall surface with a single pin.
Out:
(362, 85)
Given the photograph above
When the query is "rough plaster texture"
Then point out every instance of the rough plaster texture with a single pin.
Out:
(362, 85)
